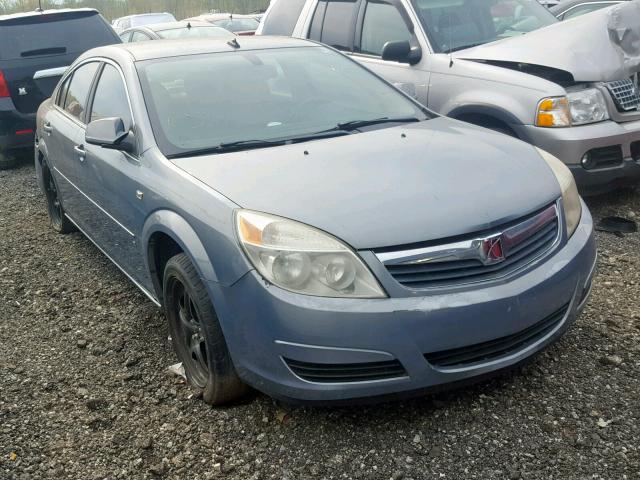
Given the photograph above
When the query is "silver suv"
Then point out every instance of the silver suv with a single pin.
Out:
(569, 88)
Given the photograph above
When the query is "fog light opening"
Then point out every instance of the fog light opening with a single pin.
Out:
(587, 161)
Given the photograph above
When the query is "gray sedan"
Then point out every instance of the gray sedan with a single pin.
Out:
(308, 229)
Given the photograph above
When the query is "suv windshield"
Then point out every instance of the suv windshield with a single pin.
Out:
(202, 102)
(457, 24)
(53, 34)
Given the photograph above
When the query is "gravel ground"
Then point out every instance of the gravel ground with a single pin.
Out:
(85, 393)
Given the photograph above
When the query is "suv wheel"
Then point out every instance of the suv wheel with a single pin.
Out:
(7, 161)
(59, 221)
(196, 334)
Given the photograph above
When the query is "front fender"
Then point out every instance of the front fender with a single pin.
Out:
(173, 225)
(492, 111)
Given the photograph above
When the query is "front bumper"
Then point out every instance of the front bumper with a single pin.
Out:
(16, 129)
(571, 144)
(264, 324)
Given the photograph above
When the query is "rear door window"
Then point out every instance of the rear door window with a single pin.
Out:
(53, 34)
(75, 102)
(283, 17)
(125, 37)
(382, 23)
(337, 19)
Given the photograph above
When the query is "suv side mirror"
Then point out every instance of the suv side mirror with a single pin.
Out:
(401, 51)
(110, 133)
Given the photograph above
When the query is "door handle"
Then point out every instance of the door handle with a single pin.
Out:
(80, 151)
(48, 129)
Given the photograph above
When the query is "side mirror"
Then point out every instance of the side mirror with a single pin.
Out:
(110, 133)
(401, 51)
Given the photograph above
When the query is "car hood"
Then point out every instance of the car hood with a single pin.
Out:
(597, 47)
(393, 186)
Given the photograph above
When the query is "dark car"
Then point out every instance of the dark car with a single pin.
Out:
(311, 230)
(35, 50)
(173, 30)
(574, 8)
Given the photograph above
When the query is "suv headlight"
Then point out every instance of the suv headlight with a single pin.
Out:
(577, 108)
(303, 259)
(570, 197)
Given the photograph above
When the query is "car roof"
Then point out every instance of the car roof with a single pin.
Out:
(158, 27)
(142, 15)
(223, 16)
(57, 11)
(140, 51)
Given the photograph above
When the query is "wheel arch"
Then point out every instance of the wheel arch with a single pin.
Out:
(166, 234)
(486, 116)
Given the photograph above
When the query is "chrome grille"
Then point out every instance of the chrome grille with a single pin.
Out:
(625, 94)
(465, 261)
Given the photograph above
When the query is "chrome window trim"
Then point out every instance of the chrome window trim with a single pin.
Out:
(126, 89)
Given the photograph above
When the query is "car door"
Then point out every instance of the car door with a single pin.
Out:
(63, 126)
(361, 28)
(115, 213)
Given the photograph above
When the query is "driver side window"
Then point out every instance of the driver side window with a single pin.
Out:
(382, 23)
(110, 99)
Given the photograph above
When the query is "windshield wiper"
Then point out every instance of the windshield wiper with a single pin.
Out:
(463, 47)
(253, 144)
(356, 124)
(228, 147)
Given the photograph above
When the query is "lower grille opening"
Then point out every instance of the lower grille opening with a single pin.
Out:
(346, 372)
(603, 157)
(493, 349)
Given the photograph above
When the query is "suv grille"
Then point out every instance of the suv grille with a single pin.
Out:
(625, 94)
(487, 351)
(346, 372)
(466, 261)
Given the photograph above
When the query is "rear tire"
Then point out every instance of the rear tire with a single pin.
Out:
(196, 334)
(7, 161)
(57, 218)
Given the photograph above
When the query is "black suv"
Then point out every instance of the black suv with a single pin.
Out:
(35, 49)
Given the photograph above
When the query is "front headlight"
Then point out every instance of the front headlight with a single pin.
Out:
(577, 108)
(303, 259)
(587, 106)
(570, 197)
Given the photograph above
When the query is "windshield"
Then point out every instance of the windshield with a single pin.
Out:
(202, 101)
(148, 19)
(457, 24)
(194, 32)
(238, 24)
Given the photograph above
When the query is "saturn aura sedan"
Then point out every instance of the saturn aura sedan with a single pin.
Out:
(310, 230)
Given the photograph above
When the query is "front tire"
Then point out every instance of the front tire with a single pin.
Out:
(59, 221)
(196, 334)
